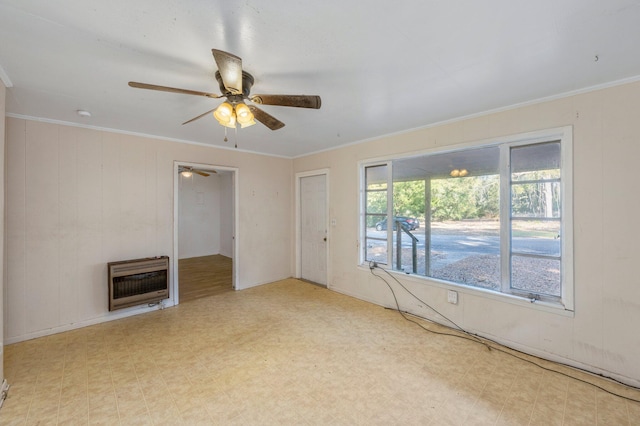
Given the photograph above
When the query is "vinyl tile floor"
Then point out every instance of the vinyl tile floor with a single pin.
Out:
(289, 353)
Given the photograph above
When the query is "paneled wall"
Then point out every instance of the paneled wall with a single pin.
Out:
(602, 335)
(78, 198)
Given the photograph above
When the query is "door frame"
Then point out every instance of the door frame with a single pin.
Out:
(299, 177)
(176, 207)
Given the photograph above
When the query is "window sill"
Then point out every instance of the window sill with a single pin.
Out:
(545, 306)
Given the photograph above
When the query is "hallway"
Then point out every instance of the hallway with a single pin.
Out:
(204, 276)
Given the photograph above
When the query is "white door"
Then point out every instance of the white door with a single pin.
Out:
(313, 229)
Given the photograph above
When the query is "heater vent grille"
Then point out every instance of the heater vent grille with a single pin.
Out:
(132, 285)
(138, 281)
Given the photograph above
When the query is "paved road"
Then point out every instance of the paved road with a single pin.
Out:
(459, 246)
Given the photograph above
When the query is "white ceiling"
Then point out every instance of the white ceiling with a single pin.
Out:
(380, 67)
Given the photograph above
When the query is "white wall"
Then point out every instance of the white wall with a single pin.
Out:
(3, 97)
(602, 335)
(78, 198)
(199, 216)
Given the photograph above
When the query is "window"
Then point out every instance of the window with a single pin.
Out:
(492, 215)
(535, 199)
(375, 212)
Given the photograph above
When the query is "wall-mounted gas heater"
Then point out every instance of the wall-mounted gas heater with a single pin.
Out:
(138, 281)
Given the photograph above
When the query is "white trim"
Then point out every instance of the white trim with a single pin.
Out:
(4, 77)
(505, 218)
(138, 134)
(362, 192)
(566, 170)
(175, 297)
(537, 101)
(512, 299)
(515, 139)
(563, 95)
(108, 316)
(505, 342)
(298, 244)
(176, 204)
(390, 216)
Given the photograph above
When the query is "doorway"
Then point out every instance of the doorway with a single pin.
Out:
(312, 227)
(204, 259)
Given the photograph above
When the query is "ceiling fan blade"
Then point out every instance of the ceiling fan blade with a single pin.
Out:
(299, 101)
(172, 89)
(230, 67)
(266, 119)
(201, 173)
(200, 116)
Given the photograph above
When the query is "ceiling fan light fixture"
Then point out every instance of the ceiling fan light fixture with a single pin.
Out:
(247, 124)
(231, 123)
(244, 116)
(186, 174)
(225, 115)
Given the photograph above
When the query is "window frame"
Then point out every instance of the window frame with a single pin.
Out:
(564, 135)
(364, 213)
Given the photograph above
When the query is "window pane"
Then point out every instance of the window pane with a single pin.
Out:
(376, 239)
(376, 193)
(535, 193)
(535, 199)
(408, 205)
(530, 162)
(376, 203)
(376, 251)
(376, 177)
(535, 237)
(467, 252)
(458, 221)
(375, 214)
(535, 275)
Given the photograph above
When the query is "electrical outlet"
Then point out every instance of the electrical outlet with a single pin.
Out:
(452, 297)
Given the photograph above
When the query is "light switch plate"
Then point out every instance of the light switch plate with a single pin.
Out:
(452, 297)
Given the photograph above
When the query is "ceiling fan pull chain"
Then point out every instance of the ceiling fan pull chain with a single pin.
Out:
(225, 135)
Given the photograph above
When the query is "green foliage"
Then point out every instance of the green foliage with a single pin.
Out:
(465, 198)
(408, 198)
(451, 199)
(536, 199)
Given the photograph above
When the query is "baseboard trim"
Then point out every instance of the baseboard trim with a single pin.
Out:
(123, 313)
(596, 371)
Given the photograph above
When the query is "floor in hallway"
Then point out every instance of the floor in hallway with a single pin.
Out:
(204, 276)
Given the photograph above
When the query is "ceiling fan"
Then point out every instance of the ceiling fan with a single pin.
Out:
(187, 171)
(235, 85)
